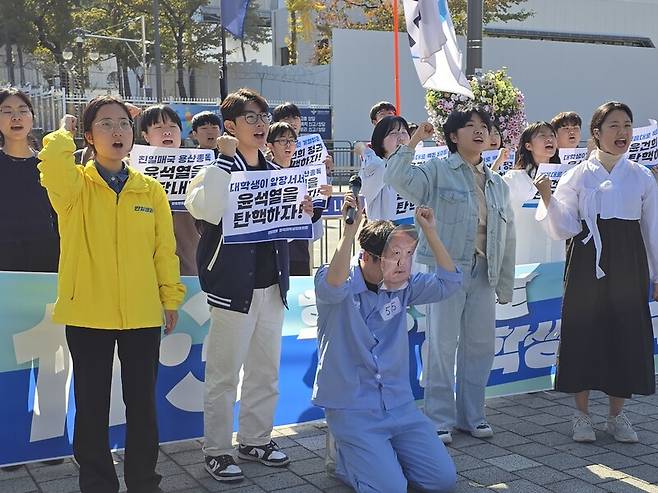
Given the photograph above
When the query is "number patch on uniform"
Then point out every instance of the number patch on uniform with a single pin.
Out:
(391, 309)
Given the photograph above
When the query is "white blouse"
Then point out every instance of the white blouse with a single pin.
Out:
(381, 199)
(628, 192)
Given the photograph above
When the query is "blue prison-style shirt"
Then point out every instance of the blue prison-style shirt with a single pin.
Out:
(363, 353)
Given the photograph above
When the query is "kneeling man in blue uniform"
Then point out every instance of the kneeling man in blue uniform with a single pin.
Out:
(383, 441)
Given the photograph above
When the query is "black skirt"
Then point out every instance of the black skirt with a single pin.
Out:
(606, 340)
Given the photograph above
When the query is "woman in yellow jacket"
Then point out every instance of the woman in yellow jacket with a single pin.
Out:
(118, 272)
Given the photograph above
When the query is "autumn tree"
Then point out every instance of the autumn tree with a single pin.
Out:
(300, 13)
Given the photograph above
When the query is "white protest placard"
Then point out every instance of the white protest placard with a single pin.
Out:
(404, 211)
(266, 206)
(310, 150)
(173, 168)
(426, 153)
(554, 172)
(316, 176)
(489, 158)
(644, 146)
(573, 156)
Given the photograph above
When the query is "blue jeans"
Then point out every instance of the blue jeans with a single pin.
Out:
(379, 451)
(463, 324)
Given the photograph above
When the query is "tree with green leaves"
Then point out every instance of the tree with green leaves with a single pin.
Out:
(256, 32)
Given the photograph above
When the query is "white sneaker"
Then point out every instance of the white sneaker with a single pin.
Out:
(445, 436)
(483, 430)
(582, 428)
(621, 428)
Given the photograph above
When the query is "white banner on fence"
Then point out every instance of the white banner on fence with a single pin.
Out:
(173, 168)
(310, 150)
(644, 147)
(266, 206)
(573, 156)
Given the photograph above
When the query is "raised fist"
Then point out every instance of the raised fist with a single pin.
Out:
(227, 145)
(424, 131)
(69, 123)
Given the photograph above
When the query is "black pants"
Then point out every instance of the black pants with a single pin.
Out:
(93, 353)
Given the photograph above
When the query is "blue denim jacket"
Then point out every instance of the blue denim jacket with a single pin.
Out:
(447, 185)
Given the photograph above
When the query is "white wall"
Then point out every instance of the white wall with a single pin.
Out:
(620, 17)
(554, 77)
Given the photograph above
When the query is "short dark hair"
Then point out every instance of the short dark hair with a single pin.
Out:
(91, 110)
(458, 119)
(13, 91)
(233, 105)
(156, 114)
(566, 118)
(384, 127)
(382, 105)
(278, 129)
(524, 159)
(602, 112)
(206, 118)
(285, 110)
(373, 236)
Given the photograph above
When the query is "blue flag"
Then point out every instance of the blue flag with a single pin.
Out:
(233, 14)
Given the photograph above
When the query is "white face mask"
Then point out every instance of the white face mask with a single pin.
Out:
(397, 257)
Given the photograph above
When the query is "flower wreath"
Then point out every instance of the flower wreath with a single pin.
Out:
(495, 93)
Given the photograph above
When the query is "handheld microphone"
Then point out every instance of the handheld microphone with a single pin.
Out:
(355, 188)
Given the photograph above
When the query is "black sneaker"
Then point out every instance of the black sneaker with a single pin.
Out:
(269, 454)
(223, 468)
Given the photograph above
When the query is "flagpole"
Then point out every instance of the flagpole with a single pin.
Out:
(396, 55)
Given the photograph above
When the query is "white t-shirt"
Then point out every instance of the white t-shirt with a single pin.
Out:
(532, 243)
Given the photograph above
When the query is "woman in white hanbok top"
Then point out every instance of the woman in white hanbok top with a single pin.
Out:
(609, 206)
(537, 145)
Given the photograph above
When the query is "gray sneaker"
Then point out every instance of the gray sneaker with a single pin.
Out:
(621, 428)
(582, 428)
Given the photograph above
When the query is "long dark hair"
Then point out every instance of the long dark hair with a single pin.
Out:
(524, 159)
(7, 92)
(384, 127)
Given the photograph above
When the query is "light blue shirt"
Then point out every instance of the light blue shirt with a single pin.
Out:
(363, 353)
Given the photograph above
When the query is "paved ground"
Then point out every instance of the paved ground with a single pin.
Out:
(531, 452)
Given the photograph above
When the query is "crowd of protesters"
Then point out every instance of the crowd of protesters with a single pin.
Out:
(109, 233)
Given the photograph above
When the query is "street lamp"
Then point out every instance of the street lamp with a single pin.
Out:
(94, 56)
